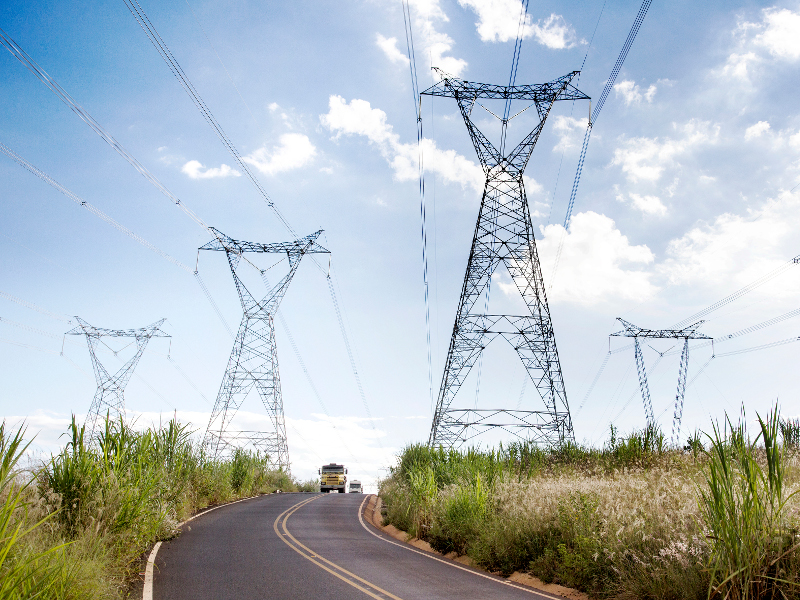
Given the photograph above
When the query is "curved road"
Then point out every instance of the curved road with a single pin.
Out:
(310, 546)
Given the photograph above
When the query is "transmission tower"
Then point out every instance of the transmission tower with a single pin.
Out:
(109, 397)
(254, 357)
(686, 334)
(504, 235)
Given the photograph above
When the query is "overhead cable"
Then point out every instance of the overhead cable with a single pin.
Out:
(31, 65)
(34, 307)
(637, 23)
(98, 213)
(352, 359)
(158, 43)
(762, 347)
(92, 209)
(740, 292)
(412, 64)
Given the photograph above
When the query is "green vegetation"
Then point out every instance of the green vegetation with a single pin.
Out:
(78, 526)
(718, 519)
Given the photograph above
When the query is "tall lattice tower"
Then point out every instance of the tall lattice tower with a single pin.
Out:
(504, 235)
(254, 358)
(109, 397)
(687, 333)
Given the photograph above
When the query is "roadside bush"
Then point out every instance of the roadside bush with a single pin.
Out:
(78, 526)
(631, 520)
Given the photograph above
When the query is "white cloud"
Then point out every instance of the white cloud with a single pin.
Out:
(294, 151)
(736, 249)
(632, 93)
(780, 33)
(498, 21)
(646, 158)
(570, 132)
(756, 130)
(554, 32)
(431, 43)
(598, 264)
(359, 118)
(389, 47)
(195, 170)
(738, 66)
(775, 36)
(649, 205)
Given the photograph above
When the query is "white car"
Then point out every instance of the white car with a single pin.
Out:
(355, 487)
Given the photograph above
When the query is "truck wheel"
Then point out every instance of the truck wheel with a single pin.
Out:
(341, 491)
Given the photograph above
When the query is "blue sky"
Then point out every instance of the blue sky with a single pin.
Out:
(688, 194)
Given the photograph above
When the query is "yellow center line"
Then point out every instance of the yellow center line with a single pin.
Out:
(370, 589)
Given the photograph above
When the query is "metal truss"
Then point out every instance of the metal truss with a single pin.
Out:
(504, 235)
(645, 389)
(686, 333)
(109, 397)
(253, 362)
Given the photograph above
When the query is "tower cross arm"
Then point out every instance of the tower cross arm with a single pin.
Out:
(304, 245)
(558, 89)
(634, 331)
(85, 329)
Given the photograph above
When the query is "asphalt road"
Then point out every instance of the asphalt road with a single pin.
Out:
(310, 546)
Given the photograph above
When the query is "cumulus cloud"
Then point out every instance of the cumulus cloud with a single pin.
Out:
(294, 151)
(632, 93)
(195, 170)
(570, 132)
(646, 159)
(649, 205)
(737, 66)
(554, 32)
(498, 21)
(598, 264)
(775, 36)
(359, 118)
(736, 249)
(389, 47)
(780, 33)
(756, 130)
(431, 43)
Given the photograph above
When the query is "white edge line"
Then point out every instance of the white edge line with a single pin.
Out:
(454, 564)
(147, 590)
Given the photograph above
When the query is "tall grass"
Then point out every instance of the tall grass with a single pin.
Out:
(753, 541)
(79, 525)
(628, 520)
(22, 574)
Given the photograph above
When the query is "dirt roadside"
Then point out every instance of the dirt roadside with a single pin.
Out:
(372, 513)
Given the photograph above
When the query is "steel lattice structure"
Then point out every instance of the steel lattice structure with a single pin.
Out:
(504, 235)
(109, 397)
(686, 334)
(254, 358)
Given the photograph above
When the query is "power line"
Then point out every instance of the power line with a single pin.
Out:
(34, 307)
(637, 22)
(412, 63)
(92, 209)
(42, 75)
(740, 292)
(158, 43)
(98, 213)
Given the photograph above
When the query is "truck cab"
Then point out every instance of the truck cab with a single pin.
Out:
(333, 477)
(355, 487)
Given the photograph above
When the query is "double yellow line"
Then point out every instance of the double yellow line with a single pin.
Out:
(370, 589)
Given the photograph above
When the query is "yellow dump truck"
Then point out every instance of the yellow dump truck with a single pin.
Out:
(333, 478)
